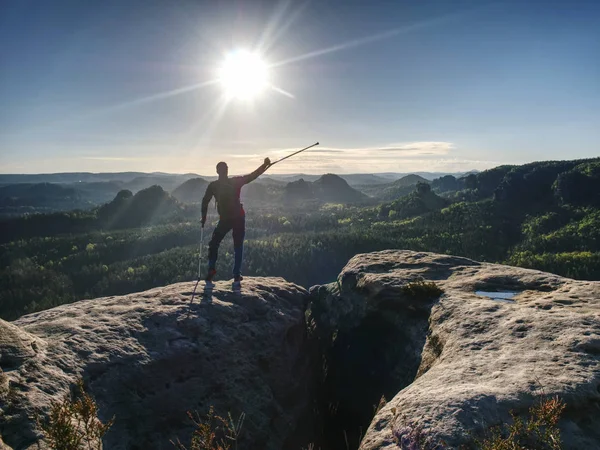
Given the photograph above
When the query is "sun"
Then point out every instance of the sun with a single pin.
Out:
(243, 75)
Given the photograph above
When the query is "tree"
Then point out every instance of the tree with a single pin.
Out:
(423, 188)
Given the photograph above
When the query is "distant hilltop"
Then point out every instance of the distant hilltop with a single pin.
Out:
(48, 193)
(127, 177)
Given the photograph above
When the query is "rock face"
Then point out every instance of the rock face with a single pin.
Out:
(149, 357)
(459, 363)
(454, 363)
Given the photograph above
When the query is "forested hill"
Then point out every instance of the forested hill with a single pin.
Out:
(391, 191)
(29, 194)
(328, 188)
(543, 215)
(191, 191)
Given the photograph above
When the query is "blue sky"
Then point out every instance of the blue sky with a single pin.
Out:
(383, 85)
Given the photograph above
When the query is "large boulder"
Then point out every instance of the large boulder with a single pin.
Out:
(148, 358)
(467, 359)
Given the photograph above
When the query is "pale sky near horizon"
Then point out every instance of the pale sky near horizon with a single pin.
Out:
(384, 86)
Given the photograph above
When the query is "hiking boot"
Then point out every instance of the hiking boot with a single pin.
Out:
(237, 283)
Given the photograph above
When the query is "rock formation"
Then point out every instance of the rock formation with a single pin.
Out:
(454, 362)
(149, 357)
(459, 363)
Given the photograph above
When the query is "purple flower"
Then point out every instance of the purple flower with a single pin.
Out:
(412, 437)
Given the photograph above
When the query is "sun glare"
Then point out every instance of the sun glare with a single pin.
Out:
(243, 75)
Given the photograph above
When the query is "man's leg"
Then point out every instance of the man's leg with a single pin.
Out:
(219, 233)
(239, 231)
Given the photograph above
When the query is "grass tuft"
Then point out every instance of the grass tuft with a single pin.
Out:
(213, 432)
(4, 384)
(539, 431)
(73, 423)
(422, 290)
(380, 405)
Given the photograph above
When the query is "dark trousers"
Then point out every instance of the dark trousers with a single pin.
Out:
(238, 225)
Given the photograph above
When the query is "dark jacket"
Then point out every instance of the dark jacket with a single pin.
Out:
(227, 194)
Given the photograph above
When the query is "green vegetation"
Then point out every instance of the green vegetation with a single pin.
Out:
(395, 189)
(213, 432)
(4, 385)
(538, 431)
(536, 216)
(419, 202)
(422, 290)
(73, 423)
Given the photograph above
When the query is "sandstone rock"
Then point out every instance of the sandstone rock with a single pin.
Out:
(149, 357)
(454, 364)
(16, 345)
(474, 359)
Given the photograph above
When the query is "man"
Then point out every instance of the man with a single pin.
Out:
(231, 217)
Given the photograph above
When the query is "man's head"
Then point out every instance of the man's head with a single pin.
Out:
(222, 169)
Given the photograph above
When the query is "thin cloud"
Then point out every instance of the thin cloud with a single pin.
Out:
(327, 151)
(424, 147)
(246, 156)
(383, 158)
(385, 165)
(416, 156)
(421, 147)
(113, 158)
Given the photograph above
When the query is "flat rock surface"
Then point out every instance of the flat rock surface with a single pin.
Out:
(484, 357)
(149, 357)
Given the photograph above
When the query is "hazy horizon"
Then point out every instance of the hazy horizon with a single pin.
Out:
(265, 175)
(385, 87)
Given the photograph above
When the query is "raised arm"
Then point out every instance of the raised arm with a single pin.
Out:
(208, 195)
(257, 173)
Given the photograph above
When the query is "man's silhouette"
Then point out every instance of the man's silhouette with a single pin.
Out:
(231, 217)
